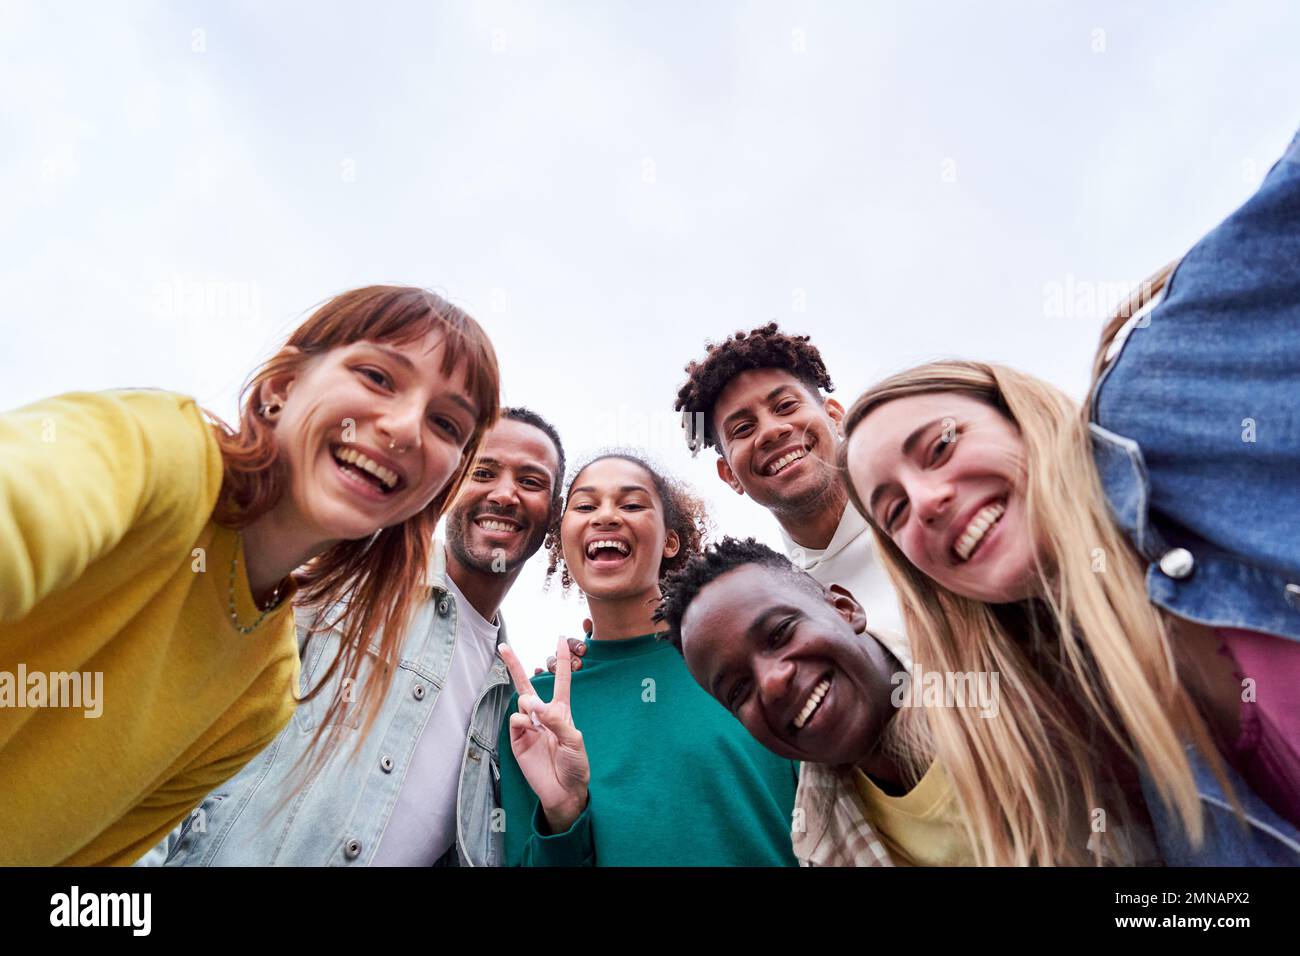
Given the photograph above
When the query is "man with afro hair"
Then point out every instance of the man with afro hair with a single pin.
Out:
(758, 399)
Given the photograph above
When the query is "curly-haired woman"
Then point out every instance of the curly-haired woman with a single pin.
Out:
(659, 774)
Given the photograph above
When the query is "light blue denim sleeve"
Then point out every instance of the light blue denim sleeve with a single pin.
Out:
(1198, 437)
(1260, 837)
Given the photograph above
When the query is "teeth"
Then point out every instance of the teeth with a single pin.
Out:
(814, 699)
(784, 460)
(488, 524)
(353, 457)
(601, 545)
(986, 518)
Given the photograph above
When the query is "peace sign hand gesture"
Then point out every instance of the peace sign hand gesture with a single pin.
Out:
(547, 745)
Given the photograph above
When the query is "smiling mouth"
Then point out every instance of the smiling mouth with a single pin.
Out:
(354, 463)
(786, 460)
(968, 542)
(607, 551)
(489, 523)
(813, 703)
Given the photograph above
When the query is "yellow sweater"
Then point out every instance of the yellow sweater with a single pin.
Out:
(110, 565)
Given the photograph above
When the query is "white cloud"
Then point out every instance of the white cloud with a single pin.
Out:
(606, 186)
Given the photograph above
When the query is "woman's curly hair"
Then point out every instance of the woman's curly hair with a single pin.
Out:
(764, 347)
(684, 513)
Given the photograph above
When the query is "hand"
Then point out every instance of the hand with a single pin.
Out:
(576, 648)
(551, 753)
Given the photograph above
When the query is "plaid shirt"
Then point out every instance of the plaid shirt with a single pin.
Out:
(830, 828)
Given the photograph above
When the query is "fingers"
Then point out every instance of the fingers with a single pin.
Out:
(563, 673)
(558, 719)
(517, 673)
(522, 733)
(578, 647)
(530, 705)
(519, 723)
(575, 663)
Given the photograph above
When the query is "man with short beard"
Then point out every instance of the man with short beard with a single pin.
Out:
(757, 398)
(420, 788)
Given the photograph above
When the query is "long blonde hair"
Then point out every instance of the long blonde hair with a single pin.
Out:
(1033, 777)
(1145, 293)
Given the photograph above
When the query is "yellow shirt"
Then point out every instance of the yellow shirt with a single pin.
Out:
(111, 566)
(923, 827)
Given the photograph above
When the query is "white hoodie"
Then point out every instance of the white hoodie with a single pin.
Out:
(850, 561)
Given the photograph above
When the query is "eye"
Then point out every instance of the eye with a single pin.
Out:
(781, 633)
(894, 513)
(634, 506)
(786, 406)
(447, 425)
(740, 431)
(583, 506)
(482, 474)
(376, 376)
(940, 449)
(735, 697)
(533, 484)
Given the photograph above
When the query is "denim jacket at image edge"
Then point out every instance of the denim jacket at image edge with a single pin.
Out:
(1250, 579)
(1186, 574)
(1261, 837)
(338, 816)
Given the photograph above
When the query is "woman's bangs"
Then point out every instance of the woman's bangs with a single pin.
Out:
(409, 318)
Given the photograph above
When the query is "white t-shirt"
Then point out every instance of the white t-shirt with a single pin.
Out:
(423, 823)
(850, 561)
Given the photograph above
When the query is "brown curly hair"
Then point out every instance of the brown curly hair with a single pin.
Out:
(684, 513)
(764, 347)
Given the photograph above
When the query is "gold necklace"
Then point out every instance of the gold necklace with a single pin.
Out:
(234, 617)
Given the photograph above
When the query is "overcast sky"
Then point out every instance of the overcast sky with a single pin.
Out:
(607, 185)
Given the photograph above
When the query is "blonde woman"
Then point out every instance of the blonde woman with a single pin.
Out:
(1026, 542)
(156, 554)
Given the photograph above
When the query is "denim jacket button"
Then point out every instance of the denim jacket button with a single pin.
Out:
(352, 849)
(418, 691)
(1178, 563)
(1293, 595)
(444, 606)
(386, 763)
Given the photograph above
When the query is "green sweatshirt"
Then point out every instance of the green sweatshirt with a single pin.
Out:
(675, 779)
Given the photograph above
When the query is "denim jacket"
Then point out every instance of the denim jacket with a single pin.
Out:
(1196, 422)
(1260, 837)
(338, 816)
(1195, 429)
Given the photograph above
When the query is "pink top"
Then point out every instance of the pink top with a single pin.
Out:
(1267, 753)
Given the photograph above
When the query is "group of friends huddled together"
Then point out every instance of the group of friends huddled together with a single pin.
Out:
(300, 668)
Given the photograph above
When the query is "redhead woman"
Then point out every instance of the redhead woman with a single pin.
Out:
(630, 762)
(150, 556)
